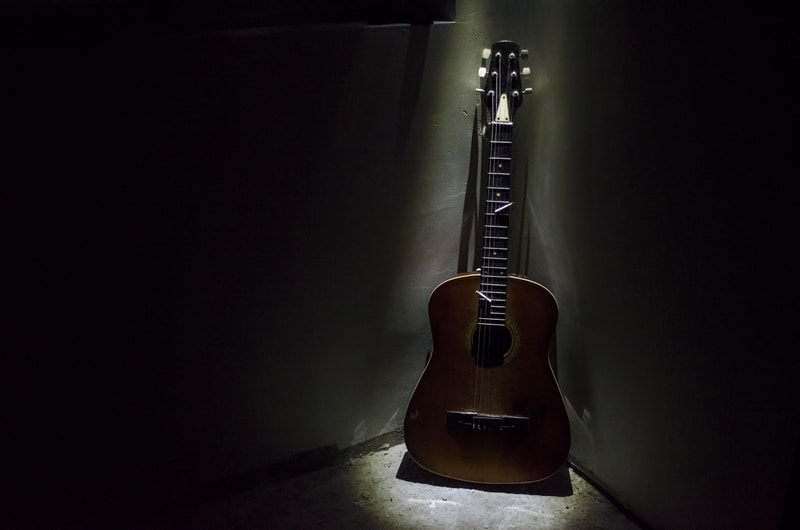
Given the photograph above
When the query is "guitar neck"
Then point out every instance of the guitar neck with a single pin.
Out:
(496, 216)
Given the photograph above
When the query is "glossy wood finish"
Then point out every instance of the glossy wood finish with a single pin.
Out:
(523, 385)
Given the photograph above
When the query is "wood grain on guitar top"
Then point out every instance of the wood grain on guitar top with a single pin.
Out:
(498, 424)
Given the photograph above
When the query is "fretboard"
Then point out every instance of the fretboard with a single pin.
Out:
(494, 254)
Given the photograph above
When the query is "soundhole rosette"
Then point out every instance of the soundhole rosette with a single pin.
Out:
(499, 337)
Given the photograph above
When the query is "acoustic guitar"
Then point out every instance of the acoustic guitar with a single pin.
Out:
(487, 407)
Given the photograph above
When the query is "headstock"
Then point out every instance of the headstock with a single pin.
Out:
(502, 91)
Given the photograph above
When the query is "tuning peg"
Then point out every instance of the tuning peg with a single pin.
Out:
(523, 53)
(482, 71)
(486, 53)
(480, 90)
(527, 91)
(526, 70)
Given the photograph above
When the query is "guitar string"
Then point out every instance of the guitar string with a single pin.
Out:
(479, 337)
(488, 233)
(490, 221)
(486, 390)
(493, 232)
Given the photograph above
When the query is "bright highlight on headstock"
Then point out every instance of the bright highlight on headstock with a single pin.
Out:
(502, 90)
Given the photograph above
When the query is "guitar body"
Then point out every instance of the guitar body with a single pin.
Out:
(500, 423)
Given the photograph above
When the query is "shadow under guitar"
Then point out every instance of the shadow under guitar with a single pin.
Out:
(558, 485)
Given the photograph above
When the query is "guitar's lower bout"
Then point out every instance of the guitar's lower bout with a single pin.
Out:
(500, 422)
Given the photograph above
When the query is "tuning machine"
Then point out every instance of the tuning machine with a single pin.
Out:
(486, 53)
(526, 70)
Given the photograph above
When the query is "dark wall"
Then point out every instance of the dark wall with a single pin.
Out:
(206, 231)
(678, 123)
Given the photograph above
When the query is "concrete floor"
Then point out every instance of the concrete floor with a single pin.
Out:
(384, 488)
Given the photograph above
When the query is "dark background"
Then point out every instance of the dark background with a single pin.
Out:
(220, 239)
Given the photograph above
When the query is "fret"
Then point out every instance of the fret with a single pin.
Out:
(501, 295)
(498, 173)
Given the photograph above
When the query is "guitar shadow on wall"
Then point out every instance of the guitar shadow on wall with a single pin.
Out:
(558, 485)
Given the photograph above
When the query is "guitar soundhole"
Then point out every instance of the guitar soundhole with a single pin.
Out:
(490, 344)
